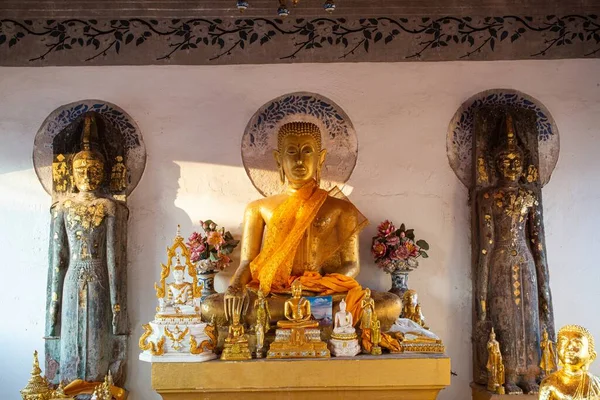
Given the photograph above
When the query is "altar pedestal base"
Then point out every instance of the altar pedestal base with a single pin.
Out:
(480, 393)
(401, 376)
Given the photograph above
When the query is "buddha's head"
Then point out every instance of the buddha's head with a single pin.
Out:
(509, 159)
(299, 155)
(575, 347)
(410, 298)
(367, 293)
(545, 335)
(296, 288)
(343, 305)
(178, 273)
(88, 165)
(492, 335)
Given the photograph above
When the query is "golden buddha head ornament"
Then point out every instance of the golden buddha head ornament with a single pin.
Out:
(299, 155)
(509, 158)
(88, 165)
(575, 347)
(410, 298)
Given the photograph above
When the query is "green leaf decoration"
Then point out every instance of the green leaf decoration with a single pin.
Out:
(423, 244)
(423, 254)
(402, 228)
(213, 257)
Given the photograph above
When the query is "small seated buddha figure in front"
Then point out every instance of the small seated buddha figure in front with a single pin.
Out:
(236, 343)
(298, 336)
(573, 382)
(411, 309)
(304, 233)
(344, 342)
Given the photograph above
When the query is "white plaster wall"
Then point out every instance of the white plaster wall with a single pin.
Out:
(192, 119)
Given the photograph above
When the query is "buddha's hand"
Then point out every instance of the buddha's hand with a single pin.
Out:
(235, 297)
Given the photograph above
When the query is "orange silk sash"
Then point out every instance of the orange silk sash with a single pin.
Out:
(290, 220)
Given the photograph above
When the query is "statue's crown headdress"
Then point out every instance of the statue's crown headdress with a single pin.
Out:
(89, 130)
(510, 145)
(299, 129)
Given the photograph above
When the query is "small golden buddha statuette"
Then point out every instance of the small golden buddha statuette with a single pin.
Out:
(376, 337)
(262, 325)
(495, 367)
(575, 346)
(298, 336)
(236, 343)
(411, 309)
(548, 361)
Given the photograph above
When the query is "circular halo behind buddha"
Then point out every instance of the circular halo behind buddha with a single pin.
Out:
(260, 138)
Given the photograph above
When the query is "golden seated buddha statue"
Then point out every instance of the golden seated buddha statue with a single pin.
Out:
(298, 336)
(311, 235)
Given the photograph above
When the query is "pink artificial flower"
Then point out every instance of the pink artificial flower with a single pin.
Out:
(386, 228)
(378, 250)
(392, 240)
(194, 239)
(401, 253)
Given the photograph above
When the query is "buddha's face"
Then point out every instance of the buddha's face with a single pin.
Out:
(296, 290)
(510, 166)
(178, 276)
(300, 158)
(573, 349)
(88, 174)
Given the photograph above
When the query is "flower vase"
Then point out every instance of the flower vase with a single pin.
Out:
(207, 280)
(399, 283)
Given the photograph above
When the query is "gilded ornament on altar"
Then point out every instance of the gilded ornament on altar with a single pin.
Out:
(157, 349)
(205, 345)
(37, 387)
(298, 336)
(511, 281)
(177, 333)
(495, 366)
(576, 352)
(548, 361)
(305, 233)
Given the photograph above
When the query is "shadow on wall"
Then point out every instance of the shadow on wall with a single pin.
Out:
(152, 227)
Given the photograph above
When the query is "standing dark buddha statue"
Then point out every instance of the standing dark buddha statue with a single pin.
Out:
(512, 284)
(86, 305)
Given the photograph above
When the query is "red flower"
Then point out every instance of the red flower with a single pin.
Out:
(378, 250)
(386, 228)
(413, 249)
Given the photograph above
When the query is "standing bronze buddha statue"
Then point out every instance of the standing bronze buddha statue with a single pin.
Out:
(512, 284)
(86, 323)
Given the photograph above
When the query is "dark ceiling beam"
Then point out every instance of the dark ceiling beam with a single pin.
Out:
(33, 9)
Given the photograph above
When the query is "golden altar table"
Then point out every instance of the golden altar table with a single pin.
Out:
(398, 376)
